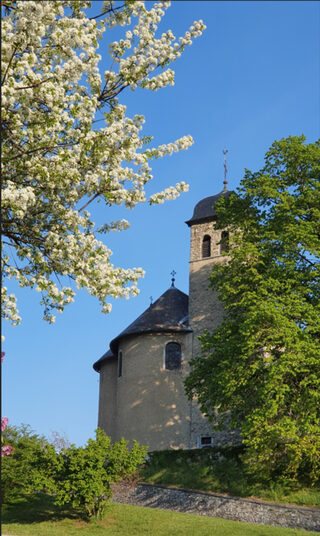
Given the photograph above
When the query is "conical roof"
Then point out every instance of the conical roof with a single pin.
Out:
(168, 314)
(205, 209)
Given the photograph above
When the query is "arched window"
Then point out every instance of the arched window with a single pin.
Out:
(224, 242)
(120, 364)
(206, 246)
(173, 356)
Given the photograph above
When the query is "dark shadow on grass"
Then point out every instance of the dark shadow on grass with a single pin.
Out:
(36, 509)
(221, 470)
(206, 470)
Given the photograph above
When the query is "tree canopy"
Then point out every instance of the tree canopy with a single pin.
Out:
(261, 366)
(67, 141)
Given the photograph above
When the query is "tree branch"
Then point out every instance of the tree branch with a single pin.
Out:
(36, 85)
(90, 201)
(107, 11)
(8, 66)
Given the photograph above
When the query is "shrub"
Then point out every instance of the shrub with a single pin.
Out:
(80, 476)
(31, 465)
(85, 474)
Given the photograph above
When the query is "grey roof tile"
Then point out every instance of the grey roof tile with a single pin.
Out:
(205, 209)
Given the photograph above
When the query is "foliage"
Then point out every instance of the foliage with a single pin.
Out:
(38, 516)
(261, 367)
(209, 469)
(28, 468)
(67, 141)
(80, 476)
(85, 474)
(221, 469)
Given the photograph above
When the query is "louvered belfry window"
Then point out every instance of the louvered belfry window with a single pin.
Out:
(173, 356)
(206, 246)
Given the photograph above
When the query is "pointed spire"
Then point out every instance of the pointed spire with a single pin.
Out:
(173, 273)
(225, 182)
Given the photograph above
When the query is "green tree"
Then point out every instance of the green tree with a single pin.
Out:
(85, 474)
(261, 367)
(28, 469)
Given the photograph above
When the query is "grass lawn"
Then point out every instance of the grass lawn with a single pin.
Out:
(37, 516)
(209, 470)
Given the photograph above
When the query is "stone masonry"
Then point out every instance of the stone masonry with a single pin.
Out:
(218, 505)
(205, 312)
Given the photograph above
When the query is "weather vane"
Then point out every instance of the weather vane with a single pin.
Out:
(225, 182)
(173, 273)
(151, 300)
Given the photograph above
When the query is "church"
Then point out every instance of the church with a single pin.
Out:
(141, 392)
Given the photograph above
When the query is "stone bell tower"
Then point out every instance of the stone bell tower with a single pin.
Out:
(206, 249)
(205, 309)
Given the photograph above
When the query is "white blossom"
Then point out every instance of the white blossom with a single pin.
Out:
(56, 162)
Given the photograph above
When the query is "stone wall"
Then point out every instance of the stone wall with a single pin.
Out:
(108, 396)
(216, 505)
(148, 402)
(205, 309)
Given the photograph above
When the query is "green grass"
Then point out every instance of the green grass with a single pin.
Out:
(222, 472)
(37, 516)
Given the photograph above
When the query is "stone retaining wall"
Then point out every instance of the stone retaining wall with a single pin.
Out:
(216, 505)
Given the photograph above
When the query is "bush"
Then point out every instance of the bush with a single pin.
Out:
(80, 476)
(85, 474)
(203, 455)
(28, 469)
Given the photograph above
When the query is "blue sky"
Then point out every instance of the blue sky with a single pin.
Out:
(253, 77)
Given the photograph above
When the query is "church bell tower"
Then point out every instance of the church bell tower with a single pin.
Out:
(207, 247)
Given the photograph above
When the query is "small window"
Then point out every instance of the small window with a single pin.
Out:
(224, 242)
(120, 364)
(206, 246)
(206, 441)
(173, 356)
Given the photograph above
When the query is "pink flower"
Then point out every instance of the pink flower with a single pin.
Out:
(2, 356)
(6, 450)
(4, 423)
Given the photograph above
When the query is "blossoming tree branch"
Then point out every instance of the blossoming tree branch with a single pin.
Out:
(56, 161)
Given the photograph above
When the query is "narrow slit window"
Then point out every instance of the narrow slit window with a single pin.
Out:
(224, 243)
(206, 246)
(120, 364)
(173, 356)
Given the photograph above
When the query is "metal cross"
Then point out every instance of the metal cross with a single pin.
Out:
(225, 182)
(173, 273)
(151, 300)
